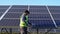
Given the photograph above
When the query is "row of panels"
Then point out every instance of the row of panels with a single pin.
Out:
(25, 6)
(16, 15)
(36, 14)
(20, 6)
(31, 11)
(35, 23)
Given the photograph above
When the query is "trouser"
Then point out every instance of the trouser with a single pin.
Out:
(23, 30)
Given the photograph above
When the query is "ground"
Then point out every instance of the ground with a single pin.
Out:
(31, 33)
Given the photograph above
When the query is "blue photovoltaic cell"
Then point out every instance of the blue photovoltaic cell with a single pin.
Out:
(17, 10)
(19, 7)
(9, 22)
(3, 7)
(2, 10)
(12, 15)
(55, 11)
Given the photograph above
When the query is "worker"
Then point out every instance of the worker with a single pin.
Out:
(24, 22)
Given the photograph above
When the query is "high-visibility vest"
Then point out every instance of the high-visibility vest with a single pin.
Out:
(22, 23)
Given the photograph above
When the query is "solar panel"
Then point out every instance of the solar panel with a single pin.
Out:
(4, 7)
(42, 17)
(56, 12)
(2, 10)
(19, 7)
(39, 16)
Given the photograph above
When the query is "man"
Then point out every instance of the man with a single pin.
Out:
(24, 22)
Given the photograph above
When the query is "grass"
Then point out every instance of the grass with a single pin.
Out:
(28, 33)
(9, 33)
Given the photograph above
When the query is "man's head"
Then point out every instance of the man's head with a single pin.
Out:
(27, 12)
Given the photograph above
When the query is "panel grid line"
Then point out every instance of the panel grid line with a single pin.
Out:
(51, 16)
(5, 12)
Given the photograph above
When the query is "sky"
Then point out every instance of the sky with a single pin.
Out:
(30, 2)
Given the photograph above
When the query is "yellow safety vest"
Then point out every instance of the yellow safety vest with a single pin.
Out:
(22, 23)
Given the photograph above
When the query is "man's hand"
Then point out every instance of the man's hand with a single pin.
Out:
(29, 25)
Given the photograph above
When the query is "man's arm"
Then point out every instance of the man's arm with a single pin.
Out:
(23, 18)
(29, 23)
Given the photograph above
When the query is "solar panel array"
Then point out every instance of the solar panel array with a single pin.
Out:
(39, 16)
